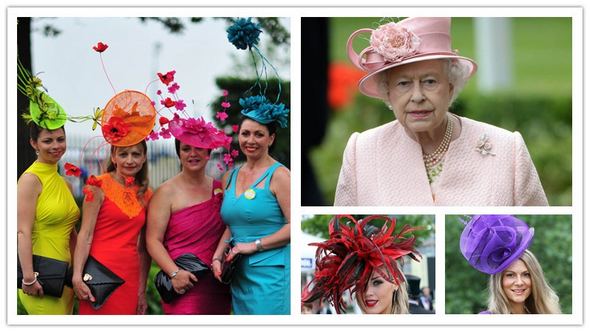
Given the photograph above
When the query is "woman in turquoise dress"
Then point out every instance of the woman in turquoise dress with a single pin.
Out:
(256, 210)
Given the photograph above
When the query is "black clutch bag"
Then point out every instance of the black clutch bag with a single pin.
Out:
(188, 262)
(101, 281)
(228, 268)
(51, 274)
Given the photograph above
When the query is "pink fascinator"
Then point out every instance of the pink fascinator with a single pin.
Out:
(198, 133)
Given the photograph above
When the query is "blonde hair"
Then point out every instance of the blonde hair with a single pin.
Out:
(400, 302)
(542, 300)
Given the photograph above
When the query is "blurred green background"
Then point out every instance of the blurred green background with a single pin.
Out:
(552, 245)
(539, 105)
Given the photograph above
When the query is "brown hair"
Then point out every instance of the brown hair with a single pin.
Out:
(141, 177)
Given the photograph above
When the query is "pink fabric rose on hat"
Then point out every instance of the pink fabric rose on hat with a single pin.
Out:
(394, 42)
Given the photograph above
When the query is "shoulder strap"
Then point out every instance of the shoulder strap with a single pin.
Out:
(231, 177)
(267, 176)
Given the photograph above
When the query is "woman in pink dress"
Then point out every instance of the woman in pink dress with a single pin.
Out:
(184, 218)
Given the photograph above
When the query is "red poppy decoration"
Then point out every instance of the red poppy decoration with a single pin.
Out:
(115, 129)
(72, 170)
(129, 181)
(94, 181)
(88, 194)
(168, 77)
(163, 120)
(100, 47)
(168, 102)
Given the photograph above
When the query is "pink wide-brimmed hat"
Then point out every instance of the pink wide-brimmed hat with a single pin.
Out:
(394, 44)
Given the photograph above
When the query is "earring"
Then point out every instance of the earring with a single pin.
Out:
(37, 152)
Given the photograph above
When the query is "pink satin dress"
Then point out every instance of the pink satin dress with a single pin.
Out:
(197, 229)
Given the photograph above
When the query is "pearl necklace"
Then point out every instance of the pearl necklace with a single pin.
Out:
(435, 157)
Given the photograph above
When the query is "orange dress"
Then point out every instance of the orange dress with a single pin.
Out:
(118, 224)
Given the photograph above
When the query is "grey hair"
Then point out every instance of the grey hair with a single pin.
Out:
(457, 71)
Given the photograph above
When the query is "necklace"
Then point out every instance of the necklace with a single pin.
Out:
(431, 159)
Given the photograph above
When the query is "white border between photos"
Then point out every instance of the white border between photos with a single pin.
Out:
(296, 318)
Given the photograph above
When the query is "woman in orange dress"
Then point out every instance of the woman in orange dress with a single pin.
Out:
(114, 209)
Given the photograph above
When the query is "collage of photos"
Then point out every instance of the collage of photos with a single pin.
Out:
(165, 176)
(419, 112)
(165, 198)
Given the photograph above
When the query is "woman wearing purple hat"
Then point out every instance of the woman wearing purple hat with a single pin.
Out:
(498, 245)
(428, 156)
(184, 219)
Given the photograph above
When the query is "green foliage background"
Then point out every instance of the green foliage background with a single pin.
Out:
(539, 105)
(552, 245)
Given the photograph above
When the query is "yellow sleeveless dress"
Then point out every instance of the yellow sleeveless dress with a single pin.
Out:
(55, 217)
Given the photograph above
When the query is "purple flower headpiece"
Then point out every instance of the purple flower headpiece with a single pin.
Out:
(490, 243)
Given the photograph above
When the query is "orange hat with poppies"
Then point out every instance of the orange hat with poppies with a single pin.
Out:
(128, 117)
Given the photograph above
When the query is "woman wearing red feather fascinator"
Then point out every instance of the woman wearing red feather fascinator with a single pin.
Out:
(364, 260)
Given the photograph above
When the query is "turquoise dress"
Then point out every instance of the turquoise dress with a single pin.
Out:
(261, 284)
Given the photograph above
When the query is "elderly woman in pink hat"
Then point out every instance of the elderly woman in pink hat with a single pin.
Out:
(429, 156)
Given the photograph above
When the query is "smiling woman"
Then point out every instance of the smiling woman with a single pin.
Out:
(365, 260)
(46, 209)
(498, 245)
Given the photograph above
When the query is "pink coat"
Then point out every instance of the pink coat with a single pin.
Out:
(383, 166)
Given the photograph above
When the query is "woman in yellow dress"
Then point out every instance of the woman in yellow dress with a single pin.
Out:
(46, 209)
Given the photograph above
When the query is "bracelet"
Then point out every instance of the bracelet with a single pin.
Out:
(32, 282)
(173, 274)
(259, 246)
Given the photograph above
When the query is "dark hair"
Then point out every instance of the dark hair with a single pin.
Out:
(271, 127)
(177, 148)
(141, 177)
(35, 130)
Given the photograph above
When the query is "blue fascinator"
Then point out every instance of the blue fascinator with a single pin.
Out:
(260, 109)
(245, 35)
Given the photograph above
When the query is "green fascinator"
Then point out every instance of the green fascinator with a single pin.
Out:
(43, 110)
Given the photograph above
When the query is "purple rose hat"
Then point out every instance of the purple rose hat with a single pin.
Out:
(490, 243)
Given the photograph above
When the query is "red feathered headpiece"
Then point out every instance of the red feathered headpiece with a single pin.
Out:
(346, 260)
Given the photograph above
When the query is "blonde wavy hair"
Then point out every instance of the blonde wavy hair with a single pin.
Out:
(542, 300)
(400, 303)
